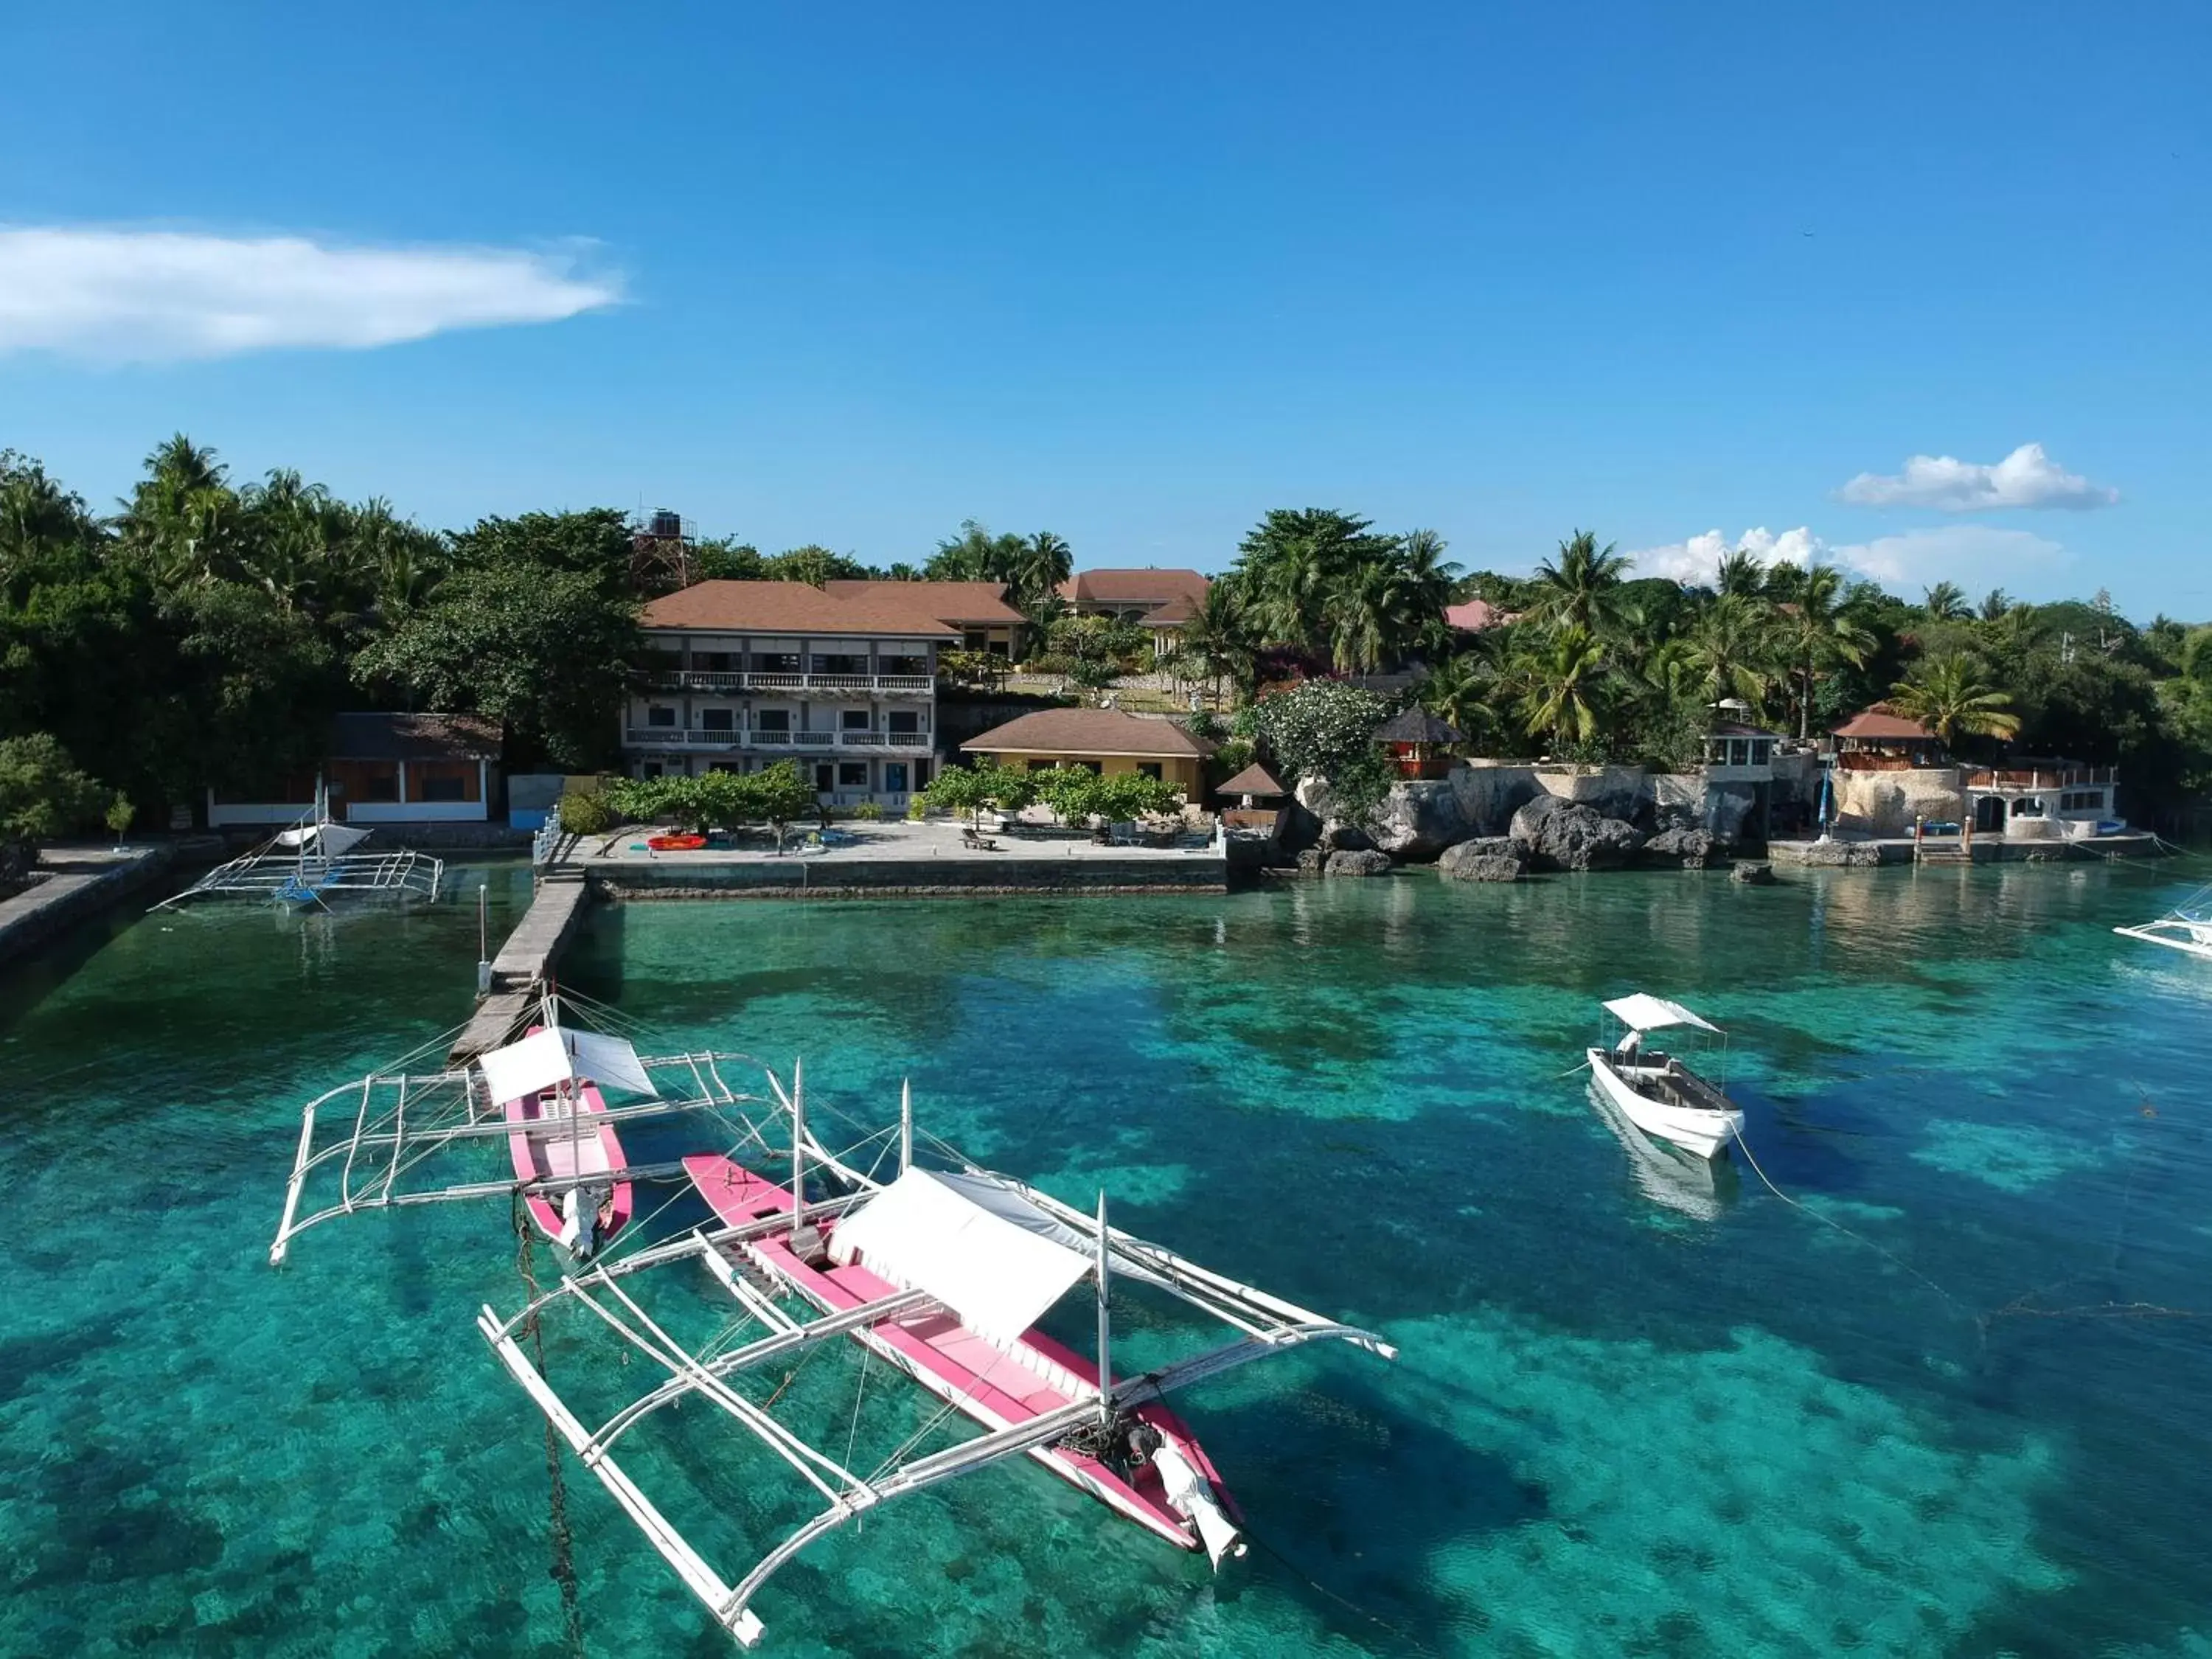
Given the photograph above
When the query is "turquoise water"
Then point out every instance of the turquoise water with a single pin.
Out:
(1636, 1414)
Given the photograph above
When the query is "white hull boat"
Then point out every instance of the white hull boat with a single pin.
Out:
(1656, 1092)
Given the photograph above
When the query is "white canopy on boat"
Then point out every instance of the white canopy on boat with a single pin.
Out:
(331, 839)
(981, 1250)
(1645, 1012)
(557, 1055)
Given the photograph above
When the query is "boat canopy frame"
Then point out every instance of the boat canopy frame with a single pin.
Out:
(315, 857)
(1264, 1326)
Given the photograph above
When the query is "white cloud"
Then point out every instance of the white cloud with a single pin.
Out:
(1699, 559)
(1974, 555)
(148, 295)
(2026, 477)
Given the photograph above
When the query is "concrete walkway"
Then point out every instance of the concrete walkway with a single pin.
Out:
(80, 882)
(524, 963)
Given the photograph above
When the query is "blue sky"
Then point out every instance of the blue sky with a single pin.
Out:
(852, 274)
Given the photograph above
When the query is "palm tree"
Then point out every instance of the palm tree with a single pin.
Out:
(1458, 689)
(1945, 602)
(1948, 694)
(1728, 651)
(1566, 676)
(1579, 588)
(1994, 603)
(1817, 633)
(1216, 636)
(1043, 563)
(1740, 573)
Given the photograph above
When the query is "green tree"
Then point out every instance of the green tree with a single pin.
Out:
(1945, 602)
(815, 566)
(970, 789)
(1567, 680)
(1818, 632)
(42, 795)
(1579, 588)
(1951, 697)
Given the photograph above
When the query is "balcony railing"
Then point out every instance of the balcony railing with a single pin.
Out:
(678, 737)
(2038, 777)
(716, 679)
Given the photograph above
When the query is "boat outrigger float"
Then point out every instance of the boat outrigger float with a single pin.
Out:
(941, 1273)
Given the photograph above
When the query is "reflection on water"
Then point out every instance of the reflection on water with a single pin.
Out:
(1697, 1186)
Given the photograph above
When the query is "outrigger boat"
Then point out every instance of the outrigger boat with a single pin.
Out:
(1655, 1090)
(404, 1135)
(546, 1087)
(944, 1275)
(314, 861)
(2180, 929)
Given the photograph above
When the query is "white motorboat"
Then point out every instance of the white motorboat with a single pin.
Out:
(2179, 932)
(1654, 1090)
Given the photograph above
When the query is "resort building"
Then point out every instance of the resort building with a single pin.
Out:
(1166, 625)
(977, 611)
(741, 674)
(1103, 739)
(1476, 616)
(386, 768)
(1420, 743)
(1133, 595)
(2031, 799)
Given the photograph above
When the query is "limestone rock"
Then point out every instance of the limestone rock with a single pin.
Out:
(1562, 835)
(1693, 849)
(1419, 819)
(1482, 867)
(1497, 848)
(1358, 864)
(1338, 837)
(1753, 872)
(1313, 860)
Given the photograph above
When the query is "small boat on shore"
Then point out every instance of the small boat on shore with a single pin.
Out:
(1655, 1091)
(564, 1148)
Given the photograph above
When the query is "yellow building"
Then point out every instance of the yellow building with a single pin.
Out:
(1103, 739)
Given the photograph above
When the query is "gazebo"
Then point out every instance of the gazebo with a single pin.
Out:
(1252, 785)
(1420, 743)
(1876, 741)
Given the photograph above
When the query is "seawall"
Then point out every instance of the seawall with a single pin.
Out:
(80, 884)
(1009, 874)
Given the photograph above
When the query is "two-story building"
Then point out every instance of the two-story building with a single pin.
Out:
(1133, 595)
(741, 674)
(977, 611)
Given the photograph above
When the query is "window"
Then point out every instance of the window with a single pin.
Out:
(726, 766)
(1762, 751)
(1148, 768)
(444, 787)
(1042, 765)
(853, 719)
(852, 775)
(714, 662)
(894, 777)
(2025, 808)
(381, 786)
(825, 777)
(718, 719)
(771, 719)
(903, 720)
(921, 774)
(1095, 767)
(660, 714)
(775, 662)
(651, 769)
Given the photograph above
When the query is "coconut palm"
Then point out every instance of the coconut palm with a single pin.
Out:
(1216, 636)
(1580, 586)
(1740, 573)
(1459, 689)
(1729, 651)
(1994, 603)
(1818, 632)
(1565, 678)
(1945, 602)
(1949, 695)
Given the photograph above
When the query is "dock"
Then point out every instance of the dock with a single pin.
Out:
(525, 963)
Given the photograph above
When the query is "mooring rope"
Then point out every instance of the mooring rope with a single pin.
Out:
(563, 1570)
(1342, 1599)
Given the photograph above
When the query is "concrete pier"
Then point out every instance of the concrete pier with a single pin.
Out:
(78, 883)
(525, 963)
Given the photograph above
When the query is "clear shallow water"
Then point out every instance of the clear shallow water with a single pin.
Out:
(1634, 1414)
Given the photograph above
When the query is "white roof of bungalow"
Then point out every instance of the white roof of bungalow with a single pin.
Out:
(1645, 1012)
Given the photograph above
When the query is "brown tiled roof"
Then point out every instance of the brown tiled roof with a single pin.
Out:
(414, 737)
(1088, 732)
(1175, 612)
(791, 608)
(1879, 722)
(1254, 780)
(976, 604)
(1147, 586)
(1417, 725)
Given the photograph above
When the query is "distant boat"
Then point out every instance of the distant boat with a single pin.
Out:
(564, 1149)
(1655, 1090)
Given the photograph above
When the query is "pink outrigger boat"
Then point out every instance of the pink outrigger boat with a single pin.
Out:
(1001, 1386)
(564, 1149)
(943, 1274)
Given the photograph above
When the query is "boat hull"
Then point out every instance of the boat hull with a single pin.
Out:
(1703, 1133)
(547, 1145)
(1014, 1383)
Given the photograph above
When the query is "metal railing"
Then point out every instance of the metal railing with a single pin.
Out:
(2058, 777)
(678, 737)
(721, 679)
